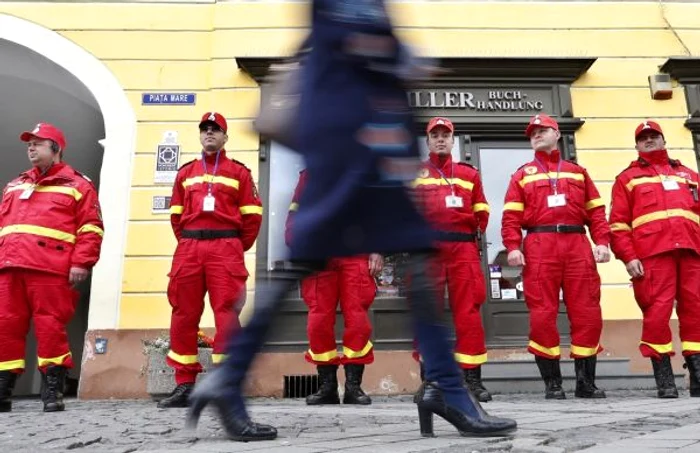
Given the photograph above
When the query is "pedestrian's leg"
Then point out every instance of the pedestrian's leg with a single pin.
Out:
(581, 288)
(53, 303)
(357, 292)
(688, 310)
(186, 292)
(320, 293)
(14, 326)
(467, 293)
(443, 392)
(223, 386)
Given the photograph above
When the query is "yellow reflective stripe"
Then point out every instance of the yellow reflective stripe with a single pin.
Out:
(442, 182)
(661, 215)
(12, 365)
(324, 356)
(211, 179)
(251, 209)
(70, 191)
(478, 207)
(555, 351)
(583, 351)
(514, 206)
(690, 346)
(653, 180)
(470, 359)
(595, 203)
(183, 359)
(91, 229)
(660, 348)
(620, 227)
(351, 354)
(177, 209)
(294, 207)
(39, 231)
(218, 358)
(551, 175)
(43, 361)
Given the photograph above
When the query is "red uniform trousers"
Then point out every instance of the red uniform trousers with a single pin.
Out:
(458, 267)
(46, 299)
(668, 277)
(200, 266)
(555, 261)
(346, 280)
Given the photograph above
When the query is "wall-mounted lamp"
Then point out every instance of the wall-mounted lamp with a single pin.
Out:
(660, 86)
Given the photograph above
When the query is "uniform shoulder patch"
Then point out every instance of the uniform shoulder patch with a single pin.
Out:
(468, 165)
(235, 161)
(187, 164)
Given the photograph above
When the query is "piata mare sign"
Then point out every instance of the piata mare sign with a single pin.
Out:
(482, 101)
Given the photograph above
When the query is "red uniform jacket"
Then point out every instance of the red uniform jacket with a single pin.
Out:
(58, 226)
(526, 200)
(439, 178)
(237, 204)
(645, 218)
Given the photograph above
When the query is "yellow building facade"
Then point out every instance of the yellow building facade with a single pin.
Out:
(121, 50)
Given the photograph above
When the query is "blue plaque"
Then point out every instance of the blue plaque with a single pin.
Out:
(169, 98)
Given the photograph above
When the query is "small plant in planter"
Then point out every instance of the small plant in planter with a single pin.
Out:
(160, 378)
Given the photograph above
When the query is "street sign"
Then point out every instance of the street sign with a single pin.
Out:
(169, 98)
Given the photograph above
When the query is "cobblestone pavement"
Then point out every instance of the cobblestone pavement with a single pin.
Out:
(631, 421)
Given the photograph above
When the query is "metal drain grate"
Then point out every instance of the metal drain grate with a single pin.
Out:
(300, 386)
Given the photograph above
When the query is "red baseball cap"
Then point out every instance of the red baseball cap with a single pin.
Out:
(216, 118)
(541, 120)
(45, 131)
(440, 121)
(647, 126)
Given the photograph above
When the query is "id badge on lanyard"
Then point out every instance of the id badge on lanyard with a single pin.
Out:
(27, 193)
(209, 203)
(670, 184)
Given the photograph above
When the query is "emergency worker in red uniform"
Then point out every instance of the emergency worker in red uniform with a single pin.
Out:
(50, 237)
(216, 215)
(350, 281)
(452, 199)
(553, 200)
(655, 222)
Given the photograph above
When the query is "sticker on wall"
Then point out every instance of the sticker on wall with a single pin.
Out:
(167, 159)
(100, 345)
(495, 289)
(161, 204)
(509, 294)
(168, 98)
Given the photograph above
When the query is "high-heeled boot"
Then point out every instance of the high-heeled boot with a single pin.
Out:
(223, 387)
(443, 393)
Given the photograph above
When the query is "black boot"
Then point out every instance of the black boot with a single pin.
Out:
(585, 378)
(692, 363)
(327, 386)
(52, 382)
(216, 389)
(178, 398)
(7, 384)
(472, 377)
(470, 420)
(551, 375)
(663, 373)
(353, 381)
(419, 392)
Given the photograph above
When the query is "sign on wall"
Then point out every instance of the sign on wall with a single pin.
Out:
(168, 98)
(482, 101)
(161, 204)
(167, 159)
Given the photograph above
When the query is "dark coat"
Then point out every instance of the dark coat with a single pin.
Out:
(351, 87)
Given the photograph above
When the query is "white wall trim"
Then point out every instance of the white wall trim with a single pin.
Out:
(119, 145)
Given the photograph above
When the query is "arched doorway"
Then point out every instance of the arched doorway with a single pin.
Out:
(46, 72)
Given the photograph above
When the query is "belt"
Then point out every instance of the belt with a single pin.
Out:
(557, 229)
(209, 234)
(451, 236)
